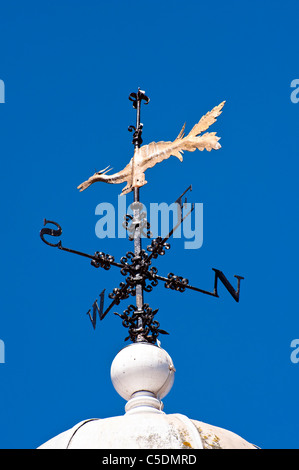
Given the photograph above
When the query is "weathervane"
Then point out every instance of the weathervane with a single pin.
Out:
(136, 266)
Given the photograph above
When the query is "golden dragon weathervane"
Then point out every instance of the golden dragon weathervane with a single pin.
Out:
(140, 275)
(149, 155)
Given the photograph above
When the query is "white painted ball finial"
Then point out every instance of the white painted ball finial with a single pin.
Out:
(142, 374)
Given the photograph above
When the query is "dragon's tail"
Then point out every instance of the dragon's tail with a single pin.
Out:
(195, 139)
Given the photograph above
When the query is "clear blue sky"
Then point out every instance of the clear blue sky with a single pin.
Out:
(68, 68)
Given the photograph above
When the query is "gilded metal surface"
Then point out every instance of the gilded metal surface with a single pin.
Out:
(149, 155)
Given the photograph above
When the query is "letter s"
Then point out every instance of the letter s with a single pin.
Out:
(294, 357)
(52, 232)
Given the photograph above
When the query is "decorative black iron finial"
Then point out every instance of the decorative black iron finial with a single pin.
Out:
(137, 98)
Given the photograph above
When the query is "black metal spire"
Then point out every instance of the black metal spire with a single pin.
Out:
(137, 98)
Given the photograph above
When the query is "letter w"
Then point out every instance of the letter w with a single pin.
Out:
(96, 309)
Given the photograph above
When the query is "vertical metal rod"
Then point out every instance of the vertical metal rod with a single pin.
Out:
(137, 144)
(137, 247)
(136, 207)
(136, 212)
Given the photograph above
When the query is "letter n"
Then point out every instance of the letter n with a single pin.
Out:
(234, 293)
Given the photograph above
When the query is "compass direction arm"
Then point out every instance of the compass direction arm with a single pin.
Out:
(119, 293)
(181, 220)
(158, 245)
(57, 233)
(98, 260)
(179, 284)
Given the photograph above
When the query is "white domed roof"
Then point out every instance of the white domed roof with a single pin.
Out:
(143, 373)
(146, 430)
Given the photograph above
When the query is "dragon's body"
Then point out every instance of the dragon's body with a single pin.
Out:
(148, 155)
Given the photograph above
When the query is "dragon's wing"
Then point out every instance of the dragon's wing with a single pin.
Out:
(149, 155)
